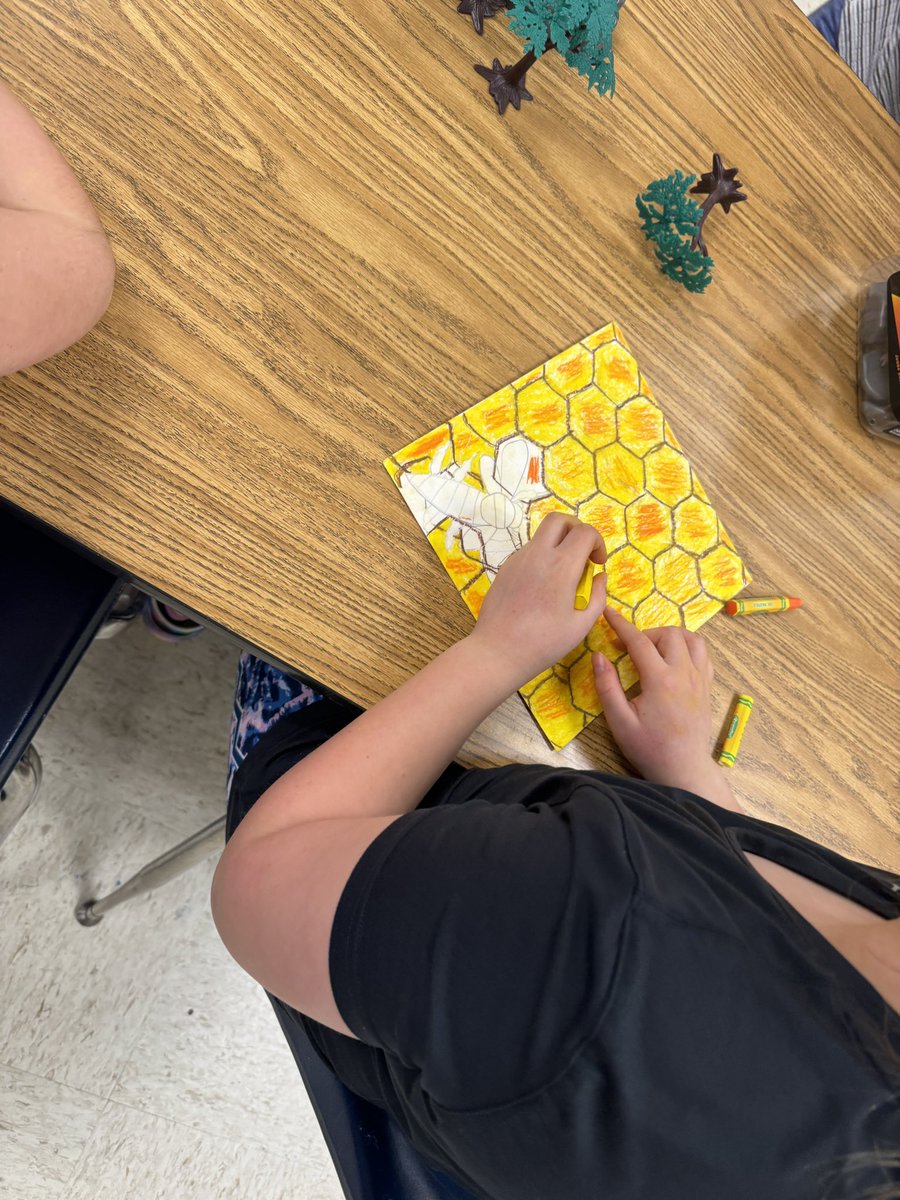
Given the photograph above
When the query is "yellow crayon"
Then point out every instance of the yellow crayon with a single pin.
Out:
(737, 723)
(761, 604)
(586, 582)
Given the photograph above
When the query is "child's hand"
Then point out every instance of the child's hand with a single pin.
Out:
(529, 616)
(664, 732)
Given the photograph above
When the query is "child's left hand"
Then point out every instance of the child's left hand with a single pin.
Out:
(529, 616)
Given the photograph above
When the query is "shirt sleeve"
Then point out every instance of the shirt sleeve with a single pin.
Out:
(478, 942)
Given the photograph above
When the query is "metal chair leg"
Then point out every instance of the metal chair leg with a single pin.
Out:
(19, 790)
(169, 865)
(128, 605)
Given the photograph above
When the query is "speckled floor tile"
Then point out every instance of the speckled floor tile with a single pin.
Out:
(211, 1054)
(72, 1000)
(144, 724)
(208, 1103)
(132, 1154)
(44, 1128)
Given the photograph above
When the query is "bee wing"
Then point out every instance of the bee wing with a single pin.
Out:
(488, 479)
(425, 514)
(470, 540)
(520, 469)
(461, 470)
(449, 497)
(512, 463)
(438, 458)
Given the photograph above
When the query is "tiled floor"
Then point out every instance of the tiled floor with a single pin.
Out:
(136, 1059)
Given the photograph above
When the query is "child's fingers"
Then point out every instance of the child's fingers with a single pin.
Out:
(581, 543)
(619, 713)
(697, 649)
(643, 653)
(672, 647)
(553, 529)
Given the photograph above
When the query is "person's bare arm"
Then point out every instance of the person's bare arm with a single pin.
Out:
(279, 881)
(56, 266)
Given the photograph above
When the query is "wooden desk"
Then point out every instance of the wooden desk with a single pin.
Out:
(319, 259)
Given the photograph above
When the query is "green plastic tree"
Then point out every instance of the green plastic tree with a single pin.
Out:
(581, 30)
(673, 222)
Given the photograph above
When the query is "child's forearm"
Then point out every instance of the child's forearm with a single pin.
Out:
(385, 761)
(34, 176)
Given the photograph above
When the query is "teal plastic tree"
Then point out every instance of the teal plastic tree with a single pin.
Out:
(582, 32)
(673, 222)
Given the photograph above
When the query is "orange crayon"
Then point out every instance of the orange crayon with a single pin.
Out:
(761, 604)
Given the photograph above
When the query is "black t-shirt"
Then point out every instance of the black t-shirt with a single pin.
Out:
(573, 986)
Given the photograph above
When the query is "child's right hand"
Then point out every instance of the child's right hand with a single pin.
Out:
(664, 732)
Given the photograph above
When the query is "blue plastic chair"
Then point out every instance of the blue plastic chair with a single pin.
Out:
(53, 601)
(372, 1156)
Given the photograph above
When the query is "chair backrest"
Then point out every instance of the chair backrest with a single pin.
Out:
(52, 602)
(373, 1158)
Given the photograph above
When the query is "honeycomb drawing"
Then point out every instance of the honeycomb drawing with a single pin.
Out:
(580, 434)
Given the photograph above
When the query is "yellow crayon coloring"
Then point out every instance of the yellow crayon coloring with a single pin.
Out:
(761, 604)
(740, 715)
(585, 583)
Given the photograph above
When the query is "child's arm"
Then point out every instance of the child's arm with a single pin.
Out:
(279, 880)
(278, 883)
(385, 761)
(56, 266)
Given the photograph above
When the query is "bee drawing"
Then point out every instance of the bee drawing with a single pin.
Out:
(490, 523)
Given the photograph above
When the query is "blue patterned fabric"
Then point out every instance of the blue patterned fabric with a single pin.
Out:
(262, 696)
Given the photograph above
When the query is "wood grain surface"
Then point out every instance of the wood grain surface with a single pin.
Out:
(328, 242)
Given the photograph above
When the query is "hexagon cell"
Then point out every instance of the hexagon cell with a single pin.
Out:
(538, 509)
(570, 471)
(699, 610)
(629, 575)
(640, 425)
(616, 372)
(619, 473)
(551, 705)
(668, 475)
(649, 525)
(542, 414)
(721, 573)
(695, 525)
(581, 684)
(675, 572)
(570, 371)
(592, 418)
(490, 418)
(608, 517)
(656, 611)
